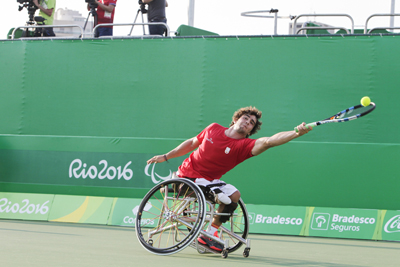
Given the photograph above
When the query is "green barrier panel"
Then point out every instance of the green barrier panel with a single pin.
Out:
(45, 165)
(124, 211)
(292, 220)
(200, 81)
(284, 220)
(343, 223)
(47, 171)
(304, 172)
(34, 207)
(264, 219)
(80, 209)
(185, 30)
(391, 225)
(125, 170)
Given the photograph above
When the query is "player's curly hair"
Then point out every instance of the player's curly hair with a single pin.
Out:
(250, 111)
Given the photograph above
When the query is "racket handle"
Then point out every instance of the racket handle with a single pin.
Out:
(309, 125)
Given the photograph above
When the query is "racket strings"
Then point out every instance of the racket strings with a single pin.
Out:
(353, 112)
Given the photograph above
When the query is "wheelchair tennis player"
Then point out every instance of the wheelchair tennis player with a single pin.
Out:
(218, 149)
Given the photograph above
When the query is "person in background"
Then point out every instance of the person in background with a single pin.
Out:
(156, 13)
(47, 8)
(105, 14)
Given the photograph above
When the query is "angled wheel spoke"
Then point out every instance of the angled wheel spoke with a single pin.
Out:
(162, 226)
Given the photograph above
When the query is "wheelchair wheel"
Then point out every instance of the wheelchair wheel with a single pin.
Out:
(170, 216)
(238, 224)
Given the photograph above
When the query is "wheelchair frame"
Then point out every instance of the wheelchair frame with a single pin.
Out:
(175, 212)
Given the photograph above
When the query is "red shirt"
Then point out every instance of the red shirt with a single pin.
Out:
(104, 16)
(216, 155)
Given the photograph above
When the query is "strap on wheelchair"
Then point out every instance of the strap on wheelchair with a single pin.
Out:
(208, 193)
(228, 209)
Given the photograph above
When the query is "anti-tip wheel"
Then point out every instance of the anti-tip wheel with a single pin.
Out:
(246, 252)
(224, 254)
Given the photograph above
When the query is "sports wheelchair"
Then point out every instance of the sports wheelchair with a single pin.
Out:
(175, 212)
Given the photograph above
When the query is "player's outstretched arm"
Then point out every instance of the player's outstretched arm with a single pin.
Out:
(184, 148)
(278, 139)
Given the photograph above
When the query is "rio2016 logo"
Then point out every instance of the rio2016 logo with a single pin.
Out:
(393, 225)
(79, 169)
(109, 172)
(24, 207)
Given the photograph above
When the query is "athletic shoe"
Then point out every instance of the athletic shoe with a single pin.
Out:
(211, 243)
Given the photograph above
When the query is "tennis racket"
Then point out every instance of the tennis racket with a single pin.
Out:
(345, 115)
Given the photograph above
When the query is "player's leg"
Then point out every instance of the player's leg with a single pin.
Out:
(218, 220)
(222, 208)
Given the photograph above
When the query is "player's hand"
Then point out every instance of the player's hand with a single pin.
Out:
(303, 129)
(156, 159)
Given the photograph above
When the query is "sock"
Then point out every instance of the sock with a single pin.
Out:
(214, 229)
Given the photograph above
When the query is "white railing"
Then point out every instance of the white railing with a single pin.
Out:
(379, 28)
(322, 28)
(322, 15)
(131, 24)
(275, 17)
(295, 30)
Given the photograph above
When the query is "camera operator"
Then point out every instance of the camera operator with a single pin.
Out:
(47, 8)
(156, 13)
(105, 14)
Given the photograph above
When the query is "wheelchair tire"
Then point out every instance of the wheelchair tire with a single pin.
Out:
(170, 216)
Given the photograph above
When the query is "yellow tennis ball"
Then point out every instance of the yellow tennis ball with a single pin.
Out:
(365, 101)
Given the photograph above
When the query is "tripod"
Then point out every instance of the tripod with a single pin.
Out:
(31, 11)
(141, 10)
(94, 14)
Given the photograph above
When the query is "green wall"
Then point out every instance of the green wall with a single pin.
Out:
(112, 104)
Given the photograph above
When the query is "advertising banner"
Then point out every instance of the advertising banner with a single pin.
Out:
(124, 212)
(120, 170)
(22, 206)
(284, 220)
(263, 219)
(391, 225)
(343, 223)
(80, 209)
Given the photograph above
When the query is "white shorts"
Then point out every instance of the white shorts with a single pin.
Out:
(227, 189)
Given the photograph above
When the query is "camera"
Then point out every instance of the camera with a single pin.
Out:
(38, 20)
(91, 3)
(142, 7)
(28, 4)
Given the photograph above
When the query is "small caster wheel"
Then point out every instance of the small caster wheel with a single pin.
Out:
(224, 254)
(150, 242)
(246, 252)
